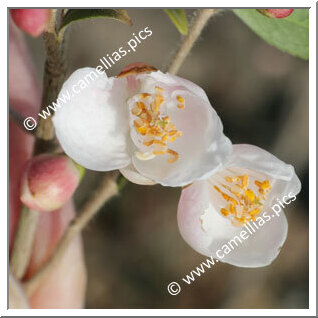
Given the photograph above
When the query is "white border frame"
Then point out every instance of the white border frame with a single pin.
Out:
(312, 165)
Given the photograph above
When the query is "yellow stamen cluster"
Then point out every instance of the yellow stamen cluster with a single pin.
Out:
(156, 129)
(243, 204)
(180, 99)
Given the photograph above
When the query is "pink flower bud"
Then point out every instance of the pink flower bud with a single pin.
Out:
(276, 13)
(31, 21)
(49, 181)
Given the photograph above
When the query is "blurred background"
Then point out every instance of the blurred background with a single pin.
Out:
(133, 247)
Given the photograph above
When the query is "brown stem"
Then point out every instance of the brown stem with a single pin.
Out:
(106, 190)
(54, 73)
(197, 25)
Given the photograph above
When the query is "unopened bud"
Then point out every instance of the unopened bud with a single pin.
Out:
(276, 13)
(49, 181)
(31, 21)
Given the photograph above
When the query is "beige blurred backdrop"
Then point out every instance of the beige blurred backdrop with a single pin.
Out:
(133, 247)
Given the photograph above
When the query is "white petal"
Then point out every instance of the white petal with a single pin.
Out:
(92, 126)
(255, 158)
(131, 174)
(174, 81)
(260, 160)
(202, 149)
(194, 211)
(206, 231)
(261, 246)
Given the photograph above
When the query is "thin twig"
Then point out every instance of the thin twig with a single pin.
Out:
(22, 247)
(197, 25)
(53, 78)
(107, 189)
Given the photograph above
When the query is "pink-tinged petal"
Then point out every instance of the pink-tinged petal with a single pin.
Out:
(24, 97)
(208, 231)
(193, 204)
(31, 21)
(66, 284)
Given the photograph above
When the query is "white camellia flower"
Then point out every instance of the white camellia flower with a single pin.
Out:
(236, 215)
(154, 127)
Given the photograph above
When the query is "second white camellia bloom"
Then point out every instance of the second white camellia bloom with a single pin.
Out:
(237, 215)
(155, 127)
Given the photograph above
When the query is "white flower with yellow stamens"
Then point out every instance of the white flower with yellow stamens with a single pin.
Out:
(154, 127)
(214, 212)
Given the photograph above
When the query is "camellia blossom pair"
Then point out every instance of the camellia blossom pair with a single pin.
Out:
(160, 128)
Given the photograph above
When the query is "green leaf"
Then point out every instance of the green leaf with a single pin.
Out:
(290, 34)
(179, 19)
(81, 14)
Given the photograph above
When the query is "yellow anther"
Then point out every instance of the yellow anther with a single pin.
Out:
(144, 96)
(229, 179)
(245, 205)
(226, 197)
(250, 195)
(174, 154)
(232, 209)
(254, 212)
(148, 143)
(180, 106)
(263, 187)
(142, 130)
(158, 152)
(159, 142)
(180, 99)
(172, 132)
(225, 212)
(244, 180)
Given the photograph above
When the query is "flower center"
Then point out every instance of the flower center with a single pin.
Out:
(153, 126)
(243, 204)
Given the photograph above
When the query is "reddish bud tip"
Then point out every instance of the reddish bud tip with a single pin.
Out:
(276, 13)
(49, 181)
(31, 21)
